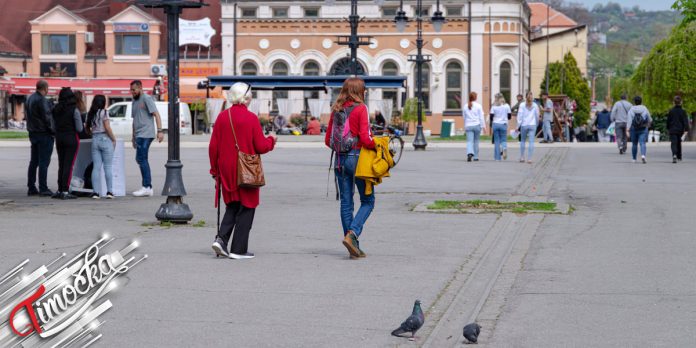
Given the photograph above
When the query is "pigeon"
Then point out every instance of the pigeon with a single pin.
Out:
(471, 332)
(412, 323)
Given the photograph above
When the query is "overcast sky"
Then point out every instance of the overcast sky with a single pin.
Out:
(644, 4)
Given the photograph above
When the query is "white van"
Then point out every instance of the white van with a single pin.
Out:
(121, 116)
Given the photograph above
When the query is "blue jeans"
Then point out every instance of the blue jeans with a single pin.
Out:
(345, 174)
(473, 136)
(548, 135)
(639, 136)
(102, 154)
(527, 132)
(500, 139)
(142, 147)
(41, 150)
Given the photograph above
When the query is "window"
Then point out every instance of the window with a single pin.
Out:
(279, 69)
(453, 11)
(426, 85)
(389, 11)
(280, 12)
(425, 12)
(454, 86)
(505, 80)
(249, 12)
(390, 69)
(249, 69)
(311, 12)
(118, 112)
(311, 68)
(58, 44)
(132, 44)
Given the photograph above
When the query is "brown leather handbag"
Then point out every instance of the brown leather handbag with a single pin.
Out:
(249, 168)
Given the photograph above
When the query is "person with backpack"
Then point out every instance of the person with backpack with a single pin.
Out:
(103, 144)
(348, 132)
(677, 125)
(640, 120)
(474, 124)
(619, 115)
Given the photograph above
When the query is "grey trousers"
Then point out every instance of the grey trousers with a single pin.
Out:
(620, 135)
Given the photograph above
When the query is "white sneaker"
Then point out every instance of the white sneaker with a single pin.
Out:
(242, 256)
(143, 192)
(643, 159)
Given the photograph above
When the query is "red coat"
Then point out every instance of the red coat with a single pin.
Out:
(359, 121)
(223, 153)
(314, 128)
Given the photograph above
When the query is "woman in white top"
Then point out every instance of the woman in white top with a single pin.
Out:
(474, 123)
(527, 119)
(501, 113)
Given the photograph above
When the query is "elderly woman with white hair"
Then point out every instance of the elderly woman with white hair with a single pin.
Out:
(236, 128)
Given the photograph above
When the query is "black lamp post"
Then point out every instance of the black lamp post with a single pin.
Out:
(419, 143)
(174, 209)
(353, 41)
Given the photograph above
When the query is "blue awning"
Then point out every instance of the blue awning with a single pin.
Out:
(301, 83)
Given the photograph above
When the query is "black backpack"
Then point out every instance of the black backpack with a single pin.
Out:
(639, 121)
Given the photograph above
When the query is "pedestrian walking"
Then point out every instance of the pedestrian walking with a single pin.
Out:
(520, 101)
(474, 124)
(527, 119)
(103, 144)
(639, 118)
(548, 118)
(602, 123)
(677, 125)
(144, 111)
(68, 123)
(501, 114)
(237, 130)
(349, 131)
(41, 130)
(619, 115)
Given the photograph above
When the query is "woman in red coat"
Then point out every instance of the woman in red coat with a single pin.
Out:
(351, 100)
(240, 202)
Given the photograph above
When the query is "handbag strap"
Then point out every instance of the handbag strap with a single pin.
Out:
(229, 115)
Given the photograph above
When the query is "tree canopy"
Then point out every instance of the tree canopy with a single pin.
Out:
(565, 78)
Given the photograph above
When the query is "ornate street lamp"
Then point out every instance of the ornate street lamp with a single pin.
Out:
(354, 41)
(174, 209)
(419, 143)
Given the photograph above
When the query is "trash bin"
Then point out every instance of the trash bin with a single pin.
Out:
(447, 129)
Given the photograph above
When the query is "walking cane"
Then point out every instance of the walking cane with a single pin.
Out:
(217, 184)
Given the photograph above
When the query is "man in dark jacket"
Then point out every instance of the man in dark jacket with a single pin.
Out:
(677, 125)
(602, 122)
(40, 127)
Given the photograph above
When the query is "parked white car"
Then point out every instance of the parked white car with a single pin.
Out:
(121, 116)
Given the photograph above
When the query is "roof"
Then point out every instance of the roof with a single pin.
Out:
(562, 32)
(555, 18)
(15, 26)
(9, 48)
(79, 19)
(303, 83)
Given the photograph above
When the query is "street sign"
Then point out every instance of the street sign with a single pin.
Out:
(195, 32)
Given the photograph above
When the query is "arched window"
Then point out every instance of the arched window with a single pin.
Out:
(249, 69)
(279, 68)
(506, 80)
(390, 69)
(454, 86)
(426, 84)
(311, 68)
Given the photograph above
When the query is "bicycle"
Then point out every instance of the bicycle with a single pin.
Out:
(396, 143)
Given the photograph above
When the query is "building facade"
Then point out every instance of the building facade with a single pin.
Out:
(299, 38)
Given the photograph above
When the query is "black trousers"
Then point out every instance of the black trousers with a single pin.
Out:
(66, 146)
(676, 145)
(41, 150)
(238, 218)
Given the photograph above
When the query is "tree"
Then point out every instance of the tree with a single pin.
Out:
(688, 9)
(410, 112)
(669, 70)
(565, 78)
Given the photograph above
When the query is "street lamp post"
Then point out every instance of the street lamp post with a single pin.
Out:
(174, 209)
(419, 143)
(353, 41)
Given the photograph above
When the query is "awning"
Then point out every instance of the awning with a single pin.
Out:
(303, 83)
(107, 87)
(6, 85)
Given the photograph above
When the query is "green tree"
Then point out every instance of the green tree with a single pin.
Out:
(669, 70)
(565, 78)
(688, 9)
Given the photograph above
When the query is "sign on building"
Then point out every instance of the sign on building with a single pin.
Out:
(131, 27)
(195, 32)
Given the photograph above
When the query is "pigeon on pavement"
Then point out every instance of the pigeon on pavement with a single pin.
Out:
(412, 323)
(471, 332)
